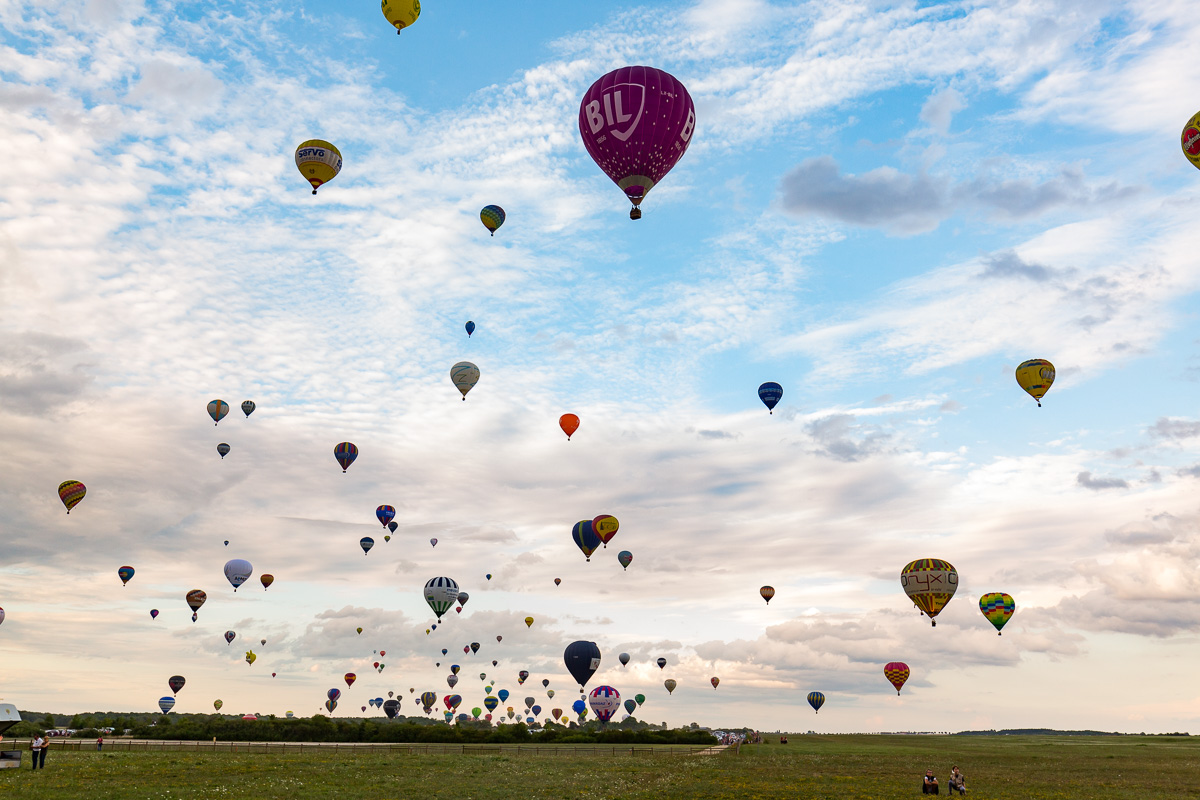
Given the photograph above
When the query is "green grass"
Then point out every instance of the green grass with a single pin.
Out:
(1014, 767)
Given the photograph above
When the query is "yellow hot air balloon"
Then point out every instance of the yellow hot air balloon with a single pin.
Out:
(1036, 377)
(318, 161)
(401, 13)
(529, 622)
(929, 583)
(250, 657)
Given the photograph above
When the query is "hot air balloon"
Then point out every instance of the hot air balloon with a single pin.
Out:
(195, 599)
(334, 693)
(767, 593)
(227, 543)
(217, 704)
(714, 681)
(641, 698)
(248, 407)
(929, 583)
(630, 706)
(70, 493)
(176, 683)
(550, 693)
(453, 701)
(502, 694)
(349, 678)
(529, 701)
(345, 453)
(153, 614)
(125, 573)
(267, 579)
(605, 527)
(401, 13)
(998, 607)
(897, 672)
(670, 684)
(569, 424)
(492, 218)
(464, 375)
(1035, 377)
(636, 123)
(623, 658)
(474, 647)
(433, 542)
(359, 630)
(217, 409)
(470, 326)
(556, 712)
(522, 676)
(165, 704)
(366, 543)
(529, 622)
(222, 450)
(455, 668)
(262, 642)
(318, 161)
(330, 705)
(250, 657)
(579, 706)
(391, 526)
(462, 599)
(443, 651)
(545, 682)
(662, 662)
(557, 581)
(582, 659)
(626, 558)
(385, 514)
(816, 700)
(391, 708)
(488, 576)
(490, 703)
(440, 594)
(585, 538)
(229, 637)
(238, 571)
(770, 393)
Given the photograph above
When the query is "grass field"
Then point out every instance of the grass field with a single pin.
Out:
(1017, 767)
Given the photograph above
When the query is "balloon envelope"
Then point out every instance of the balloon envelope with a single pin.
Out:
(176, 683)
(492, 218)
(604, 701)
(585, 538)
(440, 594)
(165, 704)
(816, 700)
(997, 607)
(385, 514)
(625, 558)
(366, 543)
(195, 599)
(636, 123)
(229, 637)
(1035, 377)
(267, 579)
(470, 326)
(767, 593)
(582, 660)
(125, 573)
(770, 393)
(349, 678)
(670, 684)
(401, 13)
(605, 527)
(897, 673)
(318, 161)
(217, 409)
(222, 449)
(929, 583)
(623, 658)
(569, 424)
(248, 407)
(464, 375)
(238, 571)
(345, 453)
(70, 493)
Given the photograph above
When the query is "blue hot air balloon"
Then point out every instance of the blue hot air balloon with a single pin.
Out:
(816, 700)
(385, 514)
(366, 543)
(579, 706)
(770, 393)
(470, 328)
(345, 453)
(165, 704)
(502, 694)
(585, 537)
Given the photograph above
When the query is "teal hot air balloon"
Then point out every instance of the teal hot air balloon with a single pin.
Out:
(630, 706)
(626, 558)
(816, 700)
(492, 218)
(217, 409)
(125, 573)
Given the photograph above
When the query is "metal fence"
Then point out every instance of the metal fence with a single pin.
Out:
(164, 745)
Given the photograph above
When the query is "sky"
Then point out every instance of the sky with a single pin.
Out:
(885, 207)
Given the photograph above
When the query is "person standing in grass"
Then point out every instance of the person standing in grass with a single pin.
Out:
(37, 748)
(100, 743)
(930, 784)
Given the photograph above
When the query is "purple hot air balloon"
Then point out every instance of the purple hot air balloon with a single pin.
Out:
(636, 123)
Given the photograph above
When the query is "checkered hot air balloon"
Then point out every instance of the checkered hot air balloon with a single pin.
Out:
(998, 607)
(897, 672)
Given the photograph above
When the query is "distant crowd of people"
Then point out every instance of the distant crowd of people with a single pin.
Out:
(957, 782)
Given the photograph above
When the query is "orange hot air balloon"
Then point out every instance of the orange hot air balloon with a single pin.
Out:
(767, 593)
(569, 424)
(267, 579)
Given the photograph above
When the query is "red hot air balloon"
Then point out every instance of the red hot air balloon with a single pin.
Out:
(569, 424)
(636, 123)
(897, 673)
(349, 678)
